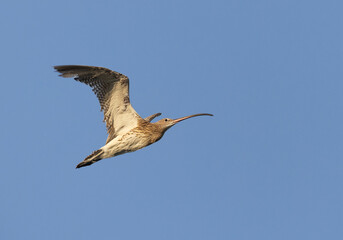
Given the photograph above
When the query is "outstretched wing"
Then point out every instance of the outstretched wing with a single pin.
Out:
(112, 90)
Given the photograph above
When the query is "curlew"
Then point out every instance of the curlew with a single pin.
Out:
(127, 131)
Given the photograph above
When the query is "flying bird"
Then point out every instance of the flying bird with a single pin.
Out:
(127, 131)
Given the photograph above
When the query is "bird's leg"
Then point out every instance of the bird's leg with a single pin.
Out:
(150, 118)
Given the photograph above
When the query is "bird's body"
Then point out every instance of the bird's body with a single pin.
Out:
(128, 132)
(135, 139)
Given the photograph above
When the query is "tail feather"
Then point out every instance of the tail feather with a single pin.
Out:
(92, 158)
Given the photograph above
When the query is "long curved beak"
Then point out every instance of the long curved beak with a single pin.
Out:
(190, 116)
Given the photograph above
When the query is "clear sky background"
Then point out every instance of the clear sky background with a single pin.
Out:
(268, 165)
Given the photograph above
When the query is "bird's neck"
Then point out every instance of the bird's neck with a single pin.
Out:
(153, 131)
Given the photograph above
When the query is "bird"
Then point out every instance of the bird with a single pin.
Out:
(127, 131)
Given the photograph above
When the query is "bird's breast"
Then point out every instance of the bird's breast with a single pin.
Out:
(131, 141)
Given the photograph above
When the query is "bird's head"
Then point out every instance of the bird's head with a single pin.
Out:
(167, 123)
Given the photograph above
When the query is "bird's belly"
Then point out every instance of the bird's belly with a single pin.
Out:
(125, 144)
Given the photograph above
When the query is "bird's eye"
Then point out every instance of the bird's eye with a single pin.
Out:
(165, 120)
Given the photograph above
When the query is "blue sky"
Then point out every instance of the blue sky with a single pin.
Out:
(268, 165)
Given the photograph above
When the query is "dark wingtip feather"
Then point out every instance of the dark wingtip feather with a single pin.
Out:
(92, 158)
(80, 165)
(68, 70)
(83, 164)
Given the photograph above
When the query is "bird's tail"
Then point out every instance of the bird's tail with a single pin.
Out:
(92, 158)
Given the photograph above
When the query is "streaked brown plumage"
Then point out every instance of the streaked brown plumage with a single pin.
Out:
(127, 131)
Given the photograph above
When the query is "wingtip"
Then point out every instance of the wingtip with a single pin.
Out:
(82, 164)
(56, 67)
(58, 70)
(78, 166)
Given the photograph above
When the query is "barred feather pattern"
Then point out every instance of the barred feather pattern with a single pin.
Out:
(102, 90)
(112, 91)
